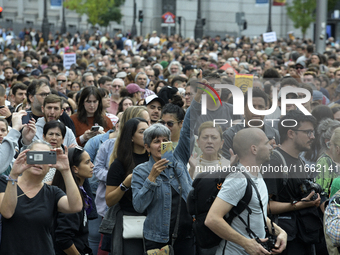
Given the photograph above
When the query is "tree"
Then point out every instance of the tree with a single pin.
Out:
(99, 12)
(302, 13)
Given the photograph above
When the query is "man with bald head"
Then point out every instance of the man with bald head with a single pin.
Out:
(253, 149)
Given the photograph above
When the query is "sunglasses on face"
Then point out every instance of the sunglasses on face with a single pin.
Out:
(168, 123)
(67, 109)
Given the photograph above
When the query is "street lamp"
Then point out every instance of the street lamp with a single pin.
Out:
(134, 28)
(199, 22)
(269, 27)
(45, 26)
(63, 23)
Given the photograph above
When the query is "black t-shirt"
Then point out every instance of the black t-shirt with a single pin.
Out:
(28, 231)
(117, 175)
(185, 220)
(290, 191)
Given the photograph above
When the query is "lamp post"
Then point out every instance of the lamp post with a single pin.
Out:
(45, 26)
(199, 22)
(269, 27)
(134, 27)
(63, 23)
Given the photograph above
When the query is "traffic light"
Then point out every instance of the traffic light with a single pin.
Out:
(140, 16)
(203, 22)
(245, 25)
(0, 12)
(179, 20)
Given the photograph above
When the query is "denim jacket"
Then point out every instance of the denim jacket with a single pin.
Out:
(154, 198)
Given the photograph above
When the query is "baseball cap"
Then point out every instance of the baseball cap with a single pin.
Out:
(317, 95)
(301, 63)
(35, 72)
(152, 98)
(189, 67)
(121, 75)
(133, 88)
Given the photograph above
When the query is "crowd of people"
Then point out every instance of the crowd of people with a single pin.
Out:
(108, 117)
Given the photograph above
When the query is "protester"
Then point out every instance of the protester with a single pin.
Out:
(90, 113)
(71, 230)
(21, 199)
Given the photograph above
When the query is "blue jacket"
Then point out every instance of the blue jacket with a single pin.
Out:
(154, 198)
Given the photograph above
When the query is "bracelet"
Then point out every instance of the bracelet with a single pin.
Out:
(8, 178)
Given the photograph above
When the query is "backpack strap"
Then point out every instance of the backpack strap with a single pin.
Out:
(284, 164)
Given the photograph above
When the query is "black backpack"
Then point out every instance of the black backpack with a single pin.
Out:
(205, 189)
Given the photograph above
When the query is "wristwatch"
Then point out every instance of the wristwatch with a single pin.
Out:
(123, 187)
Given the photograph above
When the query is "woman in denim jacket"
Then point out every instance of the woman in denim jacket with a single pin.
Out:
(155, 190)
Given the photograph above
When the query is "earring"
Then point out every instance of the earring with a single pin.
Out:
(149, 154)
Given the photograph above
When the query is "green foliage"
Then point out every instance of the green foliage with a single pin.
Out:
(99, 12)
(302, 13)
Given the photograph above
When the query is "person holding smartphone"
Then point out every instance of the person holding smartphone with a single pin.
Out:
(156, 188)
(29, 207)
(90, 112)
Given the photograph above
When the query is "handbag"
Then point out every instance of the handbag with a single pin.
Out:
(133, 226)
(168, 249)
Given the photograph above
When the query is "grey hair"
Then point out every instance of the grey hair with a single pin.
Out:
(119, 79)
(154, 131)
(325, 131)
(62, 74)
(140, 74)
(86, 75)
(39, 142)
(159, 65)
(175, 63)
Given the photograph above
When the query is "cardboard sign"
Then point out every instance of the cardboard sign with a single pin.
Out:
(269, 37)
(225, 66)
(244, 81)
(69, 59)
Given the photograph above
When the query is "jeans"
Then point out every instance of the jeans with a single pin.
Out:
(94, 235)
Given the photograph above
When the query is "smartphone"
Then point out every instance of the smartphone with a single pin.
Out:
(26, 118)
(167, 151)
(41, 157)
(95, 128)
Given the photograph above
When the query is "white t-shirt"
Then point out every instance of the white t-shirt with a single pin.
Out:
(233, 189)
(154, 40)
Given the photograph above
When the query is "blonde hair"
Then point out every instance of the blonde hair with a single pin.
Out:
(336, 136)
(129, 113)
(210, 124)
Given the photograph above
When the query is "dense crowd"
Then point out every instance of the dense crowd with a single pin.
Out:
(109, 116)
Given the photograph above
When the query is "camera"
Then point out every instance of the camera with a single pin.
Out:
(307, 186)
(269, 244)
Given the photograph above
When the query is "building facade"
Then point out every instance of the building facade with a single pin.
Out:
(219, 17)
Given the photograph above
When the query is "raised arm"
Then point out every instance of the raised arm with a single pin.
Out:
(182, 151)
(9, 199)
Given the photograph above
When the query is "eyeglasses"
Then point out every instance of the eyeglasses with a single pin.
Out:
(61, 80)
(188, 94)
(168, 123)
(125, 68)
(67, 109)
(308, 132)
(299, 67)
(116, 86)
(44, 94)
(92, 81)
